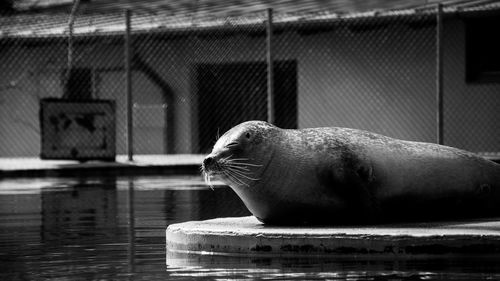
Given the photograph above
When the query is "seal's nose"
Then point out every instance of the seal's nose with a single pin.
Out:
(207, 161)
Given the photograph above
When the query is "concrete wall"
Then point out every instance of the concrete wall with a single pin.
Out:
(382, 80)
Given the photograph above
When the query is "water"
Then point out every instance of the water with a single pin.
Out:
(114, 229)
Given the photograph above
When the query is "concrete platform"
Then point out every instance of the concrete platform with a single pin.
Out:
(246, 236)
(141, 164)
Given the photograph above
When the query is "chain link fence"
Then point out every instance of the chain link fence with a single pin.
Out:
(194, 77)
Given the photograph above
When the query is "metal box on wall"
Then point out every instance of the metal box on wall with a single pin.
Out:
(79, 130)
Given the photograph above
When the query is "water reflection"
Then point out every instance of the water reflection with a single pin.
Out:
(336, 268)
(84, 210)
(114, 229)
(131, 226)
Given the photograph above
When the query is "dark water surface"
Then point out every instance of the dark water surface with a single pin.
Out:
(114, 229)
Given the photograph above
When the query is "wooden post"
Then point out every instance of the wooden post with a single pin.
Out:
(270, 67)
(439, 72)
(128, 83)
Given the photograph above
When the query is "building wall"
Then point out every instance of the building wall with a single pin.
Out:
(30, 73)
(372, 81)
(382, 80)
(472, 111)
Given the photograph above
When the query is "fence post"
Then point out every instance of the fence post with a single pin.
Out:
(128, 83)
(270, 67)
(71, 24)
(439, 72)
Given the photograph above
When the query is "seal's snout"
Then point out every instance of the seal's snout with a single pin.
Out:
(208, 161)
(208, 170)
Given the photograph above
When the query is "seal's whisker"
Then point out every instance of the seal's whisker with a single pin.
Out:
(206, 178)
(240, 162)
(239, 159)
(242, 174)
(236, 176)
(239, 171)
(232, 176)
(224, 159)
(239, 168)
(208, 181)
(247, 177)
(244, 164)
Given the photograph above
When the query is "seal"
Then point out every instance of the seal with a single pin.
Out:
(336, 175)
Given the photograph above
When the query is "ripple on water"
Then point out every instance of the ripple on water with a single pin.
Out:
(113, 228)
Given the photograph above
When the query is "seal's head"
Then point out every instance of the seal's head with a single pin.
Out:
(239, 156)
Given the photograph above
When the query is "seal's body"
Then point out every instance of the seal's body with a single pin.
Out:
(345, 176)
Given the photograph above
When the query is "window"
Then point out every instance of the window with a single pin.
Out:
(482, 49)
(230, 93)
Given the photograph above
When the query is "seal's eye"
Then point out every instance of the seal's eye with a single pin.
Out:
(247, 135)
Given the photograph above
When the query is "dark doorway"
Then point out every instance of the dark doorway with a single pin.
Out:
(231, 93)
